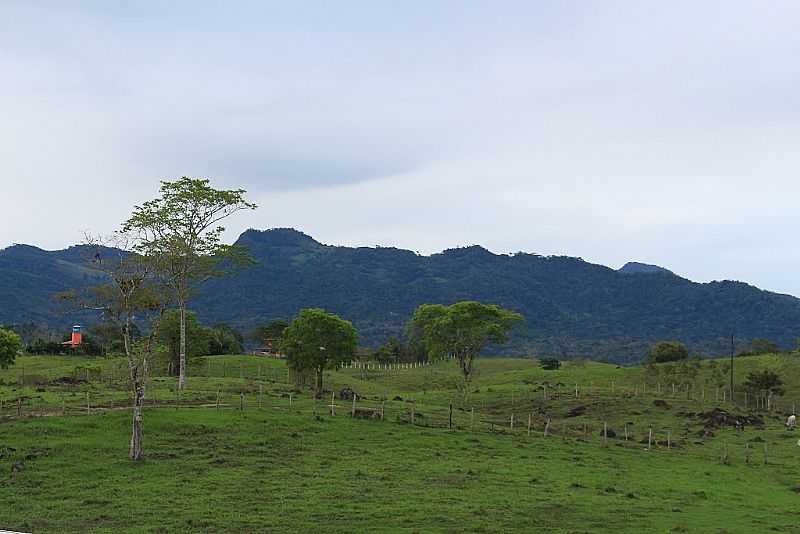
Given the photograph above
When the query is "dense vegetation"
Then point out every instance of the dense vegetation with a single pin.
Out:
(572, 307)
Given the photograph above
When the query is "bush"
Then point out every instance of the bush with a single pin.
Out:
(549, 364)
(764, 380)
(668, 351)
(10, 346)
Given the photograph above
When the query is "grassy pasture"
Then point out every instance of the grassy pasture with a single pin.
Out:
(278, 467)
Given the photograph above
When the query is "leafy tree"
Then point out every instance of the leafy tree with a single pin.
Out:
(108, 335)
(317, 340)
(764, 380)
(225, 340)
(462, 330)
(549, 364)
(271, 334)
(10, 346)
(668, 351)
(390, 352)
(198, 337)
(180, 232)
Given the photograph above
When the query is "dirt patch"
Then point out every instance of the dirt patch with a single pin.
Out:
(67, 381)
(577, 411)
(609, 432)
(718, 418)
(365, 413)
(348, 394)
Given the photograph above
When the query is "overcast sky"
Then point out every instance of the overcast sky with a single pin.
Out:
(663, 132)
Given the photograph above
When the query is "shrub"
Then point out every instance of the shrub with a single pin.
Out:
(668, 351)
(549, 364)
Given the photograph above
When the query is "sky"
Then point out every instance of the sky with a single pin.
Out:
(661, 132)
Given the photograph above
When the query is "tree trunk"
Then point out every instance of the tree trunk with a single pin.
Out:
(318, 384)
(136, 430)
(182, 356)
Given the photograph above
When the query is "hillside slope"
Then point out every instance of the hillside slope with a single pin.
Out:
(572, 307)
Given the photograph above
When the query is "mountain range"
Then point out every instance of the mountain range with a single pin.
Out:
(572, 307)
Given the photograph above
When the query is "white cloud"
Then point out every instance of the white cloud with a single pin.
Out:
(614, 131)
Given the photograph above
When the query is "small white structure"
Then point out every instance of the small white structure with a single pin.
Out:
(792, 421)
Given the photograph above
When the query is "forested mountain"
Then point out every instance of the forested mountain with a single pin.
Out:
(572, 307)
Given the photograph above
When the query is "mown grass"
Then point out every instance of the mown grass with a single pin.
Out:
(281, 468)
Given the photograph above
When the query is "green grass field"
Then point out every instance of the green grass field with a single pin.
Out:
(289, 466)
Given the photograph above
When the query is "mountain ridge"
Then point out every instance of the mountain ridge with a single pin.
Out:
(573, 307)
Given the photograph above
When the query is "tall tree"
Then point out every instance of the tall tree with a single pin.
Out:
(180, 228)
(133, 291)
(10, 346)
(462, 330)
(317, 340)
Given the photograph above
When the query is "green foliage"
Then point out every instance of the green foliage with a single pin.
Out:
(462, 330)
(668, 351)
(179, 235)
(317, 340)
(549, 364)
(198, 337)
(42, 346)
(760, 346)
(581, 309)
(10, 347)
(390, 352)
(764, 380)
(225, 340)
(270, 335)
(180, 230)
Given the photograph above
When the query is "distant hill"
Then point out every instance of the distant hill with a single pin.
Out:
(634, 267)
(572, 307)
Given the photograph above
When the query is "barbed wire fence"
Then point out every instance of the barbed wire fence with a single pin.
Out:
(531, 414)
